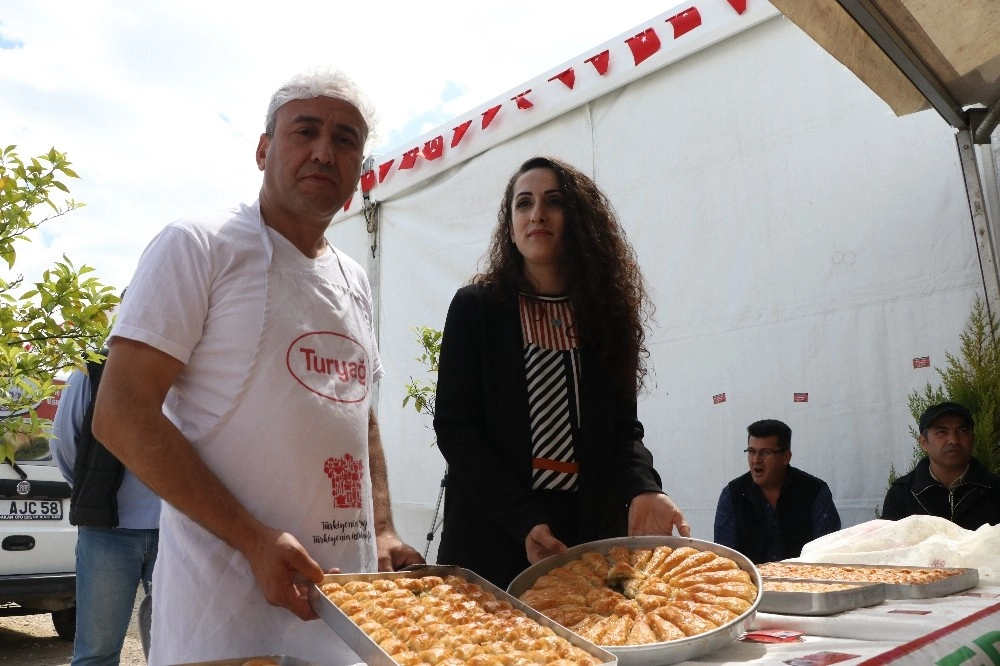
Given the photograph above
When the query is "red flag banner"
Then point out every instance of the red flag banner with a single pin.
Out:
(922, 362)
(718, 397)
(800, 397)
(685, 22)
(367, 181)
(568, 78)
(434, 148)
(409, 158)
(489, 115)
(522, 101)
(460, 132)
(600, 62)
(643, 45)
(383, 169)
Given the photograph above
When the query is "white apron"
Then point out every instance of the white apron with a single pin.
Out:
(294, 450)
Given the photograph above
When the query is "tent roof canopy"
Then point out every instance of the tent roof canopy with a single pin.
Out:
(915, 54)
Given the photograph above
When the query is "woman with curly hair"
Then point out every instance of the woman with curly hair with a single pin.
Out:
(542, 360)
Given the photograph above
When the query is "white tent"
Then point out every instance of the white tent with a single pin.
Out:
(811, 256)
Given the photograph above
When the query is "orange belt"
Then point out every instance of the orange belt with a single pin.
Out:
(555, 465)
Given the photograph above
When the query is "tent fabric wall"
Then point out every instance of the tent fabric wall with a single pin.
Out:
(796, 236)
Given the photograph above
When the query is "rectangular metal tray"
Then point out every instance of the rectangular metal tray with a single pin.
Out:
(828, 602)
(963, 580)
(373, 655)
(281, 661)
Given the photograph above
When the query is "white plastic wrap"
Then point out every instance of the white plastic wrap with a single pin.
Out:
(914, 541)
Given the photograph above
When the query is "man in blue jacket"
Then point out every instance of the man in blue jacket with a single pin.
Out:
(774, 509)
(949, 481)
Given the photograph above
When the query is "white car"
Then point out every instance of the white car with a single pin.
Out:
(37, 542)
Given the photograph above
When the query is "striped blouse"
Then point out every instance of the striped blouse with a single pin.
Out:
(552, 366)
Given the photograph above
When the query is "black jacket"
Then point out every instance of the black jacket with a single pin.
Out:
(483, 431)
(793, 513)
(97, 474)
(973, 503)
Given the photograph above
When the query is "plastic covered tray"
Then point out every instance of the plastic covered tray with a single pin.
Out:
(841, 597)
(962, 579)
(655, 654)
(373, 655)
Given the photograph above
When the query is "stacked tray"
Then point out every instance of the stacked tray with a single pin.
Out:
(957, 580)
(670, 652)
(819, 597)
(373, 655)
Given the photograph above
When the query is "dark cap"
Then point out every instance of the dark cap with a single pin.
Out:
(934, 412)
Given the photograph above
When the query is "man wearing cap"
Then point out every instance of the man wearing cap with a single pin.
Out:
(949, 481)
(238, 387)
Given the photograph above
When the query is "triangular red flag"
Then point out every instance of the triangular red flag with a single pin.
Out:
(383, 169)
(522, 101)
(739, 5)
(568, 78)
(460, 132)
(489, 115)
(600, 62)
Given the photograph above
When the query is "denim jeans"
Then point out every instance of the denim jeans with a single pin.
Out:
(110, 565)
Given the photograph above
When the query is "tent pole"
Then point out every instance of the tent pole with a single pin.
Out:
(374, 264)
(980, 222)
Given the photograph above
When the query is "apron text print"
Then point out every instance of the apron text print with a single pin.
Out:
(339, 531)
(331, 365)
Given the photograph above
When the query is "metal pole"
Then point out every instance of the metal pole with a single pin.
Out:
(980, 222)
(987, 124)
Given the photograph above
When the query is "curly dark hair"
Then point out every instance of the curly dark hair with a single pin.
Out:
(610, 302)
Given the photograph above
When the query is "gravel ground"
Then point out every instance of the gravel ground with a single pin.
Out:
(31, 640)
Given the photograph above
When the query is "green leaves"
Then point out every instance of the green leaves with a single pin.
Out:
(423, 392)
(59, 322)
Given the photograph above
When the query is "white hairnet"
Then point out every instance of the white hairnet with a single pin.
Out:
(317, 82)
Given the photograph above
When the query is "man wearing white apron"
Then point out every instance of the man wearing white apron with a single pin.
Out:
(239, 388)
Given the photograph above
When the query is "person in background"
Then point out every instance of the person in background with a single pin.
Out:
(541, 362)
(238, 386)
(949, 482)
(117, 517)
(774, 509)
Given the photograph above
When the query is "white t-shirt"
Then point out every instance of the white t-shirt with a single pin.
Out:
(198, 295)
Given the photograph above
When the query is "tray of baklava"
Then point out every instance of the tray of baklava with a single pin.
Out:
(901, 582)
(443, 615)
(790, 596)
(649, 600)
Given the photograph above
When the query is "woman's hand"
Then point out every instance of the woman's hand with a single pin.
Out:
(541, 543)
(655, 514)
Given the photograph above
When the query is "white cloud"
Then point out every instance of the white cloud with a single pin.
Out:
(159, 104)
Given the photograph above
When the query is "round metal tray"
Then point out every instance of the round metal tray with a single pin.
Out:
(669, 652)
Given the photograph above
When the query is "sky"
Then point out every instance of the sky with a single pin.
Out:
(159, 105)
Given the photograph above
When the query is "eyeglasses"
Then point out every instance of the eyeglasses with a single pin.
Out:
(763, 453)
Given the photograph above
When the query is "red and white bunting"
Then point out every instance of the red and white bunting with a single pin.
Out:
(653, 41)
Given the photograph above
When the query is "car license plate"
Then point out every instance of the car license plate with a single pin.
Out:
(28, 509)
